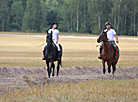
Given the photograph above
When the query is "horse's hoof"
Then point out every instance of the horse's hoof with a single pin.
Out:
(113, 74)
(104, 71)
(109, 71)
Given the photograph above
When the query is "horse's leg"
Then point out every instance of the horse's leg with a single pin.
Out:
(53, 69)
(114, 67)
(58, 66)
(104, 70)
(109, 67)
(47, 63)
(50, 69)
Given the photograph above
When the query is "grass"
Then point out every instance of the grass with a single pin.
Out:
(23, 51)
(90, 91)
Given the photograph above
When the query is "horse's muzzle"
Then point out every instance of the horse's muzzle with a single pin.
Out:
(98, 40)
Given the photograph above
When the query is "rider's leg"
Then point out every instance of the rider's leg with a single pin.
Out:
(44, 49)
(114, 48)
(58, 51)
(101, 47)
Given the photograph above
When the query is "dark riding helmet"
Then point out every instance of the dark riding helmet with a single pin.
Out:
(54, 23)
(107, 23)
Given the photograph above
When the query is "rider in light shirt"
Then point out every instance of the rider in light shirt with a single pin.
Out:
(110, 35)
(55, 39)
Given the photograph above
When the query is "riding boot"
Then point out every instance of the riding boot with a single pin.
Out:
(43, 56)
(100, 54)
(114, 53)
(58, 55)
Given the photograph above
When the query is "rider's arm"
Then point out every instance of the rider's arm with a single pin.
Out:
(116, 38)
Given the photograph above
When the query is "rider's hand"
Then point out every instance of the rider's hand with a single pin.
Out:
(117, 41)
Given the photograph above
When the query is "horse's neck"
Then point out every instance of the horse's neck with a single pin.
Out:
(49, 49)
(106, 46)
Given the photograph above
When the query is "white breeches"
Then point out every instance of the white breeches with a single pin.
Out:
(57, 44)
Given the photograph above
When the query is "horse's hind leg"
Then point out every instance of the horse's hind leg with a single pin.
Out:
(104, 70)
(114, 67)
(53, 65)
(58, 67)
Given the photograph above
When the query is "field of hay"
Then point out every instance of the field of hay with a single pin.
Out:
(18, 50)
(23, 51)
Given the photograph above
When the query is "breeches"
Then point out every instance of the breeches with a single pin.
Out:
(112, 43)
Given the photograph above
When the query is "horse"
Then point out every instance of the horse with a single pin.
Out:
(107, 53)
(51, 55)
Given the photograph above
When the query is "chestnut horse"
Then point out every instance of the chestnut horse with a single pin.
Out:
(107, 53)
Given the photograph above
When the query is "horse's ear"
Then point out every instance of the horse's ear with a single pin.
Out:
(105, 31)
(47, 32)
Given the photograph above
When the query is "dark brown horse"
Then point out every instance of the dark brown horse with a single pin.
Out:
(107, 53)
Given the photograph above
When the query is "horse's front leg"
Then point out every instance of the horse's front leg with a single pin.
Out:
(47, 63)
(109, 67)
(104, 70)
(53, 65)
(49, 71)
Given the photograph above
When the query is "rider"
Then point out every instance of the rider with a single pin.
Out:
(55, 39)
(110, 35)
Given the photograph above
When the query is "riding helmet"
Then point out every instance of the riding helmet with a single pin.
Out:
(54, 23)
(107, 23)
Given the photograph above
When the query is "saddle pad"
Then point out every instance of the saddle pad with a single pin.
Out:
(117, 52)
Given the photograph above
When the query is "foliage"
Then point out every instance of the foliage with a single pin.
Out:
(83, 16)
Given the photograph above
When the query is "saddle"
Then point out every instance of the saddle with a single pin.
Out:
(117, 51)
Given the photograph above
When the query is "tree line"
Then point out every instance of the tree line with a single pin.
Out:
(82, 16)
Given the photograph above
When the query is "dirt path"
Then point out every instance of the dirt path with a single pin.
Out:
(21, 77)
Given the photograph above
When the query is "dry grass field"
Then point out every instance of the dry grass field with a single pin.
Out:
(23, 51)
(90, 91)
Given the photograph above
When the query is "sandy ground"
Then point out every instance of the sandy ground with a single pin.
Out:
(18, 77)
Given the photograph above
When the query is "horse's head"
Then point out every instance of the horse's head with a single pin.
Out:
(102, 37)
(49, 40)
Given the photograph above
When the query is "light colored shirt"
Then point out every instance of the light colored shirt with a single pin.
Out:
(110, 34)
(55, 33)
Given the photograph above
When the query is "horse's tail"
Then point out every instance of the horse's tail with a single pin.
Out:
(60, 63)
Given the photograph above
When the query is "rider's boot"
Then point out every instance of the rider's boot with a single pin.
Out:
(100, 54)
(44, 53)
(114, 54)
(43, 56)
